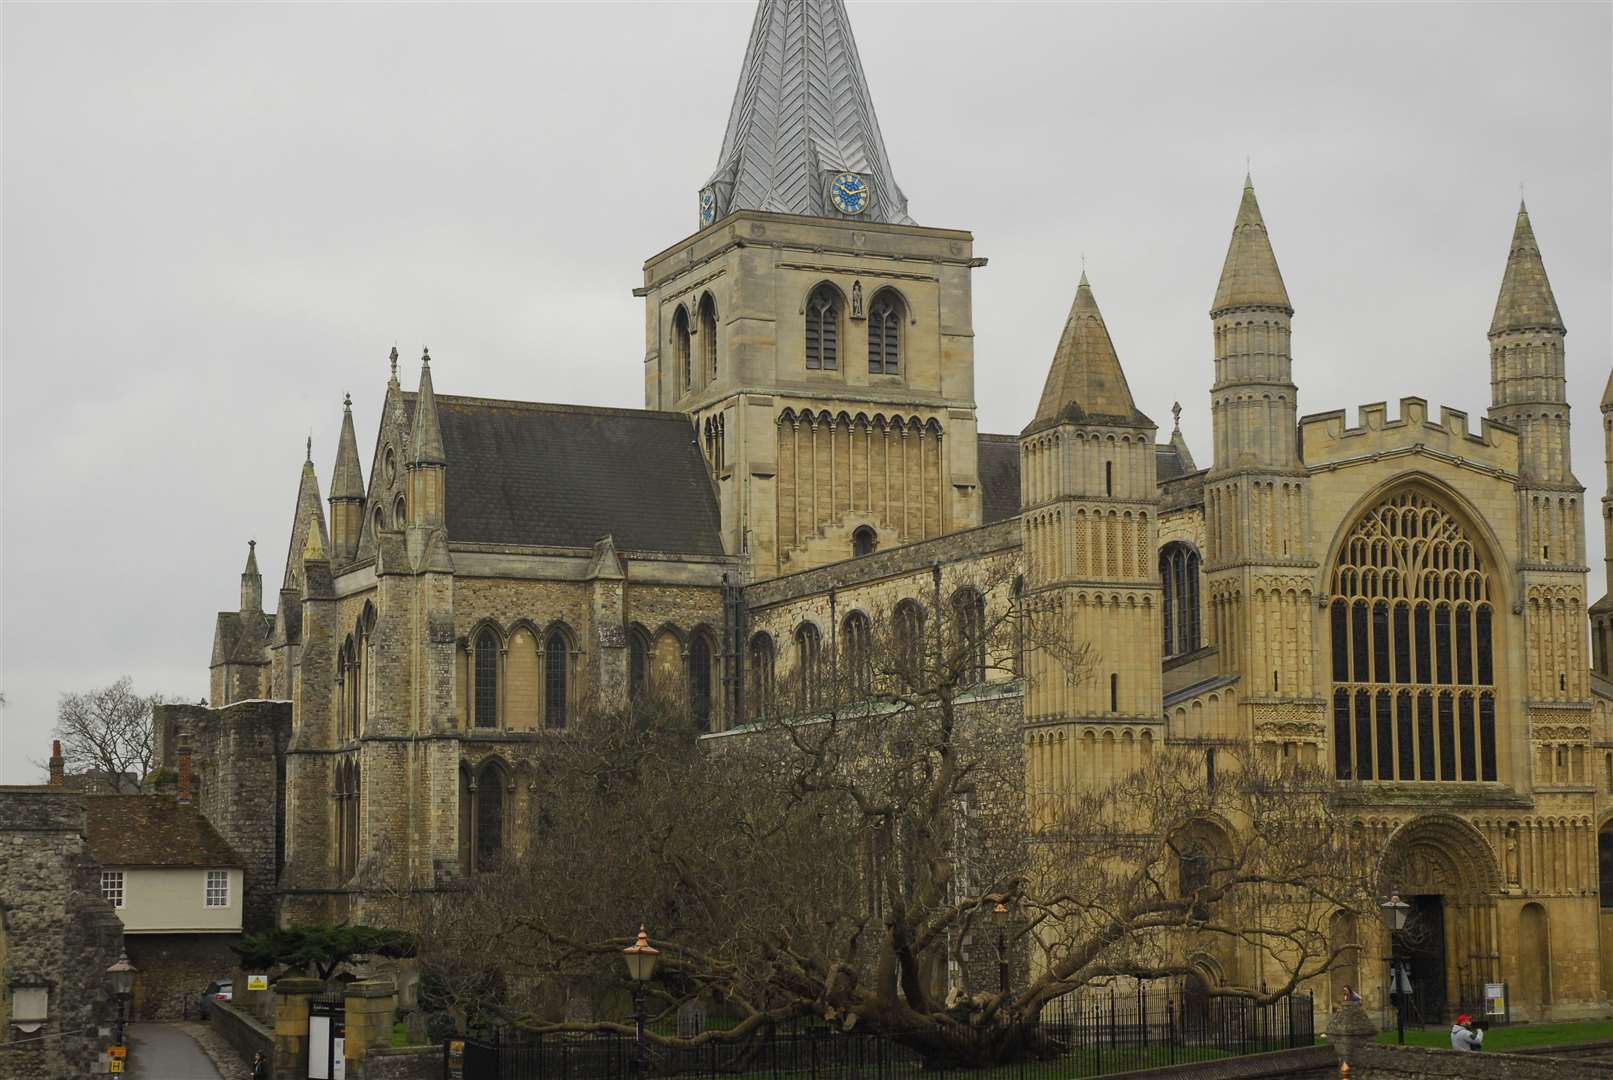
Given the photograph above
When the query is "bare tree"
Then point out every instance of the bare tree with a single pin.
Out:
(108, 733)
(829, 860)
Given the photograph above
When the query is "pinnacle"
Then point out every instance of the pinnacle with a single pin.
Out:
(251, 559)
(1525, 301)
(1250, 277)
(1607, 393)
(426, 437)
(347, 481)
(1085, 382)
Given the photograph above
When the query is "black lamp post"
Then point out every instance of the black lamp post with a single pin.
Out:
(640, 957)
(1394, 916)
(121, 976)
(1000, 916)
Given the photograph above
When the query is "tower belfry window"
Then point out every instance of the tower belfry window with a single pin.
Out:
(708, 339)
(682, 362)
(885, 334)
(823, 329)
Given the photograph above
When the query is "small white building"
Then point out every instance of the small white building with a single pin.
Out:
(176, 885)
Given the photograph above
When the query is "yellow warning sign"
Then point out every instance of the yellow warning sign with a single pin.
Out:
(115, 1065)
(117, 1051)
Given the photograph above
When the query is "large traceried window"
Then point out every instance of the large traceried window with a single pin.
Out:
(823, 329)
(1179, 573)
(1413, 633)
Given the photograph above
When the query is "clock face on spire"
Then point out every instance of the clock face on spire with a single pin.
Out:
(708, 207)
(849, 193)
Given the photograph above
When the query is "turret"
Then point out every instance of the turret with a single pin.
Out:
(427, 466)
(346, 491)
(251, 582)
(1254, 400)
(1528, 391)
(1601, 612)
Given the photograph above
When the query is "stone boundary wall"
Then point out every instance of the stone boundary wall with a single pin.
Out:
(243, 1031)
(404, 1063)
(1303, 1063)
(1422, 1063)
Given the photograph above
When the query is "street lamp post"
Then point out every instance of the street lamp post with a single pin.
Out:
(1394, 916)
(121, 976)
(1000, 916)
(641, 957)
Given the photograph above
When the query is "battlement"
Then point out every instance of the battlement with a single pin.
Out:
(1325, 438)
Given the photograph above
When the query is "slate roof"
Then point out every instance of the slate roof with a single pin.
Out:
(999, 478)
(539, 475)
(153, 831)
(241, 636)
(1168, 464)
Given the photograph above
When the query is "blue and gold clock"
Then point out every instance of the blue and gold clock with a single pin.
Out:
(849, 193)
(708, 207)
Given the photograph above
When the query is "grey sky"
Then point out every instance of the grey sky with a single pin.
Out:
(218, 218)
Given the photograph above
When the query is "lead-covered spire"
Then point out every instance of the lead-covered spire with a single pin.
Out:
(1085, 383)
(1249, 277)
(802, 137)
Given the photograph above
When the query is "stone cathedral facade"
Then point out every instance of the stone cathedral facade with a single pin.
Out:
(1396, 593)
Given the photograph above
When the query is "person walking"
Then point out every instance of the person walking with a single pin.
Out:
(260, 1067)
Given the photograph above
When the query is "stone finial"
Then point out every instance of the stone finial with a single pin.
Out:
(308, 450)
(347, 402)
(393, 357)
(425, 355)
(1176, 416)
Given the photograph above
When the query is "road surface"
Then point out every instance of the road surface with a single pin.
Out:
(163, 1052)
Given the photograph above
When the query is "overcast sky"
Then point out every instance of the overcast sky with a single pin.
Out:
(218, 218)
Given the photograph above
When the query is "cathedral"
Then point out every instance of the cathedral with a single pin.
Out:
(1395, 594)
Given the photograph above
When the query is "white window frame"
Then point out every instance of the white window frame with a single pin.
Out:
(113, 887)
(220, 878)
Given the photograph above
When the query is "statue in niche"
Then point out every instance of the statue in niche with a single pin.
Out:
(856, 299)
(1512, 853)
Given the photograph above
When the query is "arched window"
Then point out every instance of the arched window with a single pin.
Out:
(346, 797)
(346, 691)
(969, 625)
(353, 793)
(556, 660)
(708, 338)
(885, 334)
(683, 369)
(761, 661)
(857, 648)
(823, 329)
(1413, 632)
(487, 650)
(380, 518)
(807, 650)
(909, 632)
(638, 663)
(700, 682)
(489, 816)
(400, 512)
(1179, 574)
(864, 541)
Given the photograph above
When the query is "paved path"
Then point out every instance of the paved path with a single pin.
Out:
(163, 1052)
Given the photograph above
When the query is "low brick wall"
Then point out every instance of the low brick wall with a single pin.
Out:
(1422, 1063)
(242, 1031)
(404, 1063)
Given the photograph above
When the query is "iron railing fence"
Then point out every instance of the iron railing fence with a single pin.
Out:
(1093, 1034)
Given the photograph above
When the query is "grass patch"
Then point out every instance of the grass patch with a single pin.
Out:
(1504, 1037)
(400, 1036)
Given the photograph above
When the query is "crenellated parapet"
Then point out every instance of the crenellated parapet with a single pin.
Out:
(1326, 440)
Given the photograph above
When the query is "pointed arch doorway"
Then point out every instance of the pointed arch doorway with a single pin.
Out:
(1445, 869)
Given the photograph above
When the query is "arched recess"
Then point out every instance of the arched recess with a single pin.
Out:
(682, 366)
(666, 662)
(1534, 960)
(708, 338)
(490, 820)
(1449, 874)
(638, 662)
(1417, 641)
(702, 680)
(521, 686)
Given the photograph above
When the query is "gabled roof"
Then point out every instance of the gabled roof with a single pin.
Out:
(999, 477)
(1085, 383)
(539, 475)
(802, 114)
(240, 637)
(1526, 301)
(153, 831)
(1249, 277)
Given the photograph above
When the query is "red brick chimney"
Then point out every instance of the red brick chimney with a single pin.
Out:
(184, 771)
(58, 772)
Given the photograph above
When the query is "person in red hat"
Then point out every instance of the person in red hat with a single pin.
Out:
(1463, 1037)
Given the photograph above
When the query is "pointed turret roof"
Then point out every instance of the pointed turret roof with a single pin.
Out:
(251, 560)
(347, 482)
(1086, 383)
(1525, 302)
(1249, 277)
(801, 115)
(309, 517)
(425, 440)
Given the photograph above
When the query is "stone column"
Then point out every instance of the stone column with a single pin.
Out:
(291, 1026)
(372, 1005)
(1350, 1028)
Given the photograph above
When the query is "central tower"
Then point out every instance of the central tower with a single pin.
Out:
(818, 339)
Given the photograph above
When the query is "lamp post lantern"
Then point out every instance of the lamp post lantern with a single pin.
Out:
(1395, 911)
(121, 975)
(640, 957)
(1000, 916)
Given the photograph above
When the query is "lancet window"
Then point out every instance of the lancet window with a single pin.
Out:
(1413, 631)
(1179, 574)
(885, 334)
(857, 650)
(823, 329)
(807, 648)
(708, 339)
